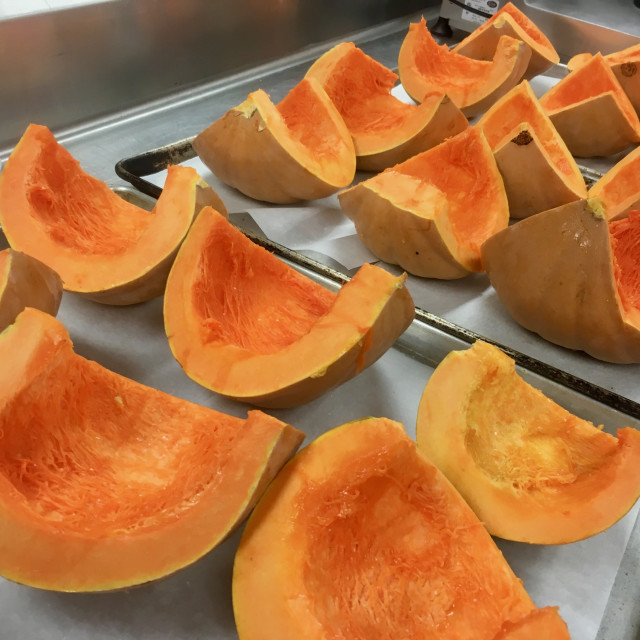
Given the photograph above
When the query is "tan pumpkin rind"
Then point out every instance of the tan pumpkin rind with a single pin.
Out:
(299, 149)
(537, 168)
(625, 65)
(246, 325)
(619, 187)
(26, 282)
(557, 275)
(385, 130)
(360, 536)
(130, 486)
(473, 85)
(417, 214)
(530, 470)
(591, 111)
(103, 247)
(481, 43)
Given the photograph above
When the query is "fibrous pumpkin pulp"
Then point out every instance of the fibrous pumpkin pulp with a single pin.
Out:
(101, 246)
(529, 469)
(385, 130)
(537, 168)
(619, 188)
(361, 537)
(573, 278)
(106, 483)
(244, 324)
(473, 85)
(591, 111)
(625, 65)
(431, 213)
(299, 149)
(26, 282)
(481, 43)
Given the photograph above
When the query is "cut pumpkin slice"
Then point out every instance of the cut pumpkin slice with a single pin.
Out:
(572, 278)
(360, 536)
(481, 43)
(619, 188)
(246, 325)
(625, 65)
(530, 470)
(473, 85)
(26, 282)
(385, 130)
(431, 213)
(297, 150)
(101, 246)
(540, 623)
(591, 111)
(106, 483)
(538, 169)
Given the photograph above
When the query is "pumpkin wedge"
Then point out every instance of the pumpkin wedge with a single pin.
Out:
(360, 536)
(537, 168)
(246, 325)
(473, 85)
(530, 470)
(591, 111)
(385, 130)
(106, 483)
(481, 43)
(619, 188)
(572, 277)
(102, 247)
(431, 213)
(297, 150)
(26, 282)
(625, 65)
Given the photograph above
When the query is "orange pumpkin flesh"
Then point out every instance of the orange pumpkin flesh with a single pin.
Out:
(537, 168)
(106, 483)
(417, 214)
(360, 536)
(591, 111)
(544, 623)
(102, 246)
(246, 325)
(26, 282)
(529, 469)
(481, 43)
(298, 150)
(473, 85)
(625, 65)
(561, 274)
(619, 188)
(385, 130)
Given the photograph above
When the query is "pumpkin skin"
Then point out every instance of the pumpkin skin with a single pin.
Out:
(591, 111)
(246, 325)
(385, 130)
(530, 470)
(625, 65)
(298, 150)
(473, 85)
(481, 43)
(81, 507)
(537, 168)
(103, 247)
(619, 188)
(26, 282)
(360, 536)
(563, 275)
(417, 213)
